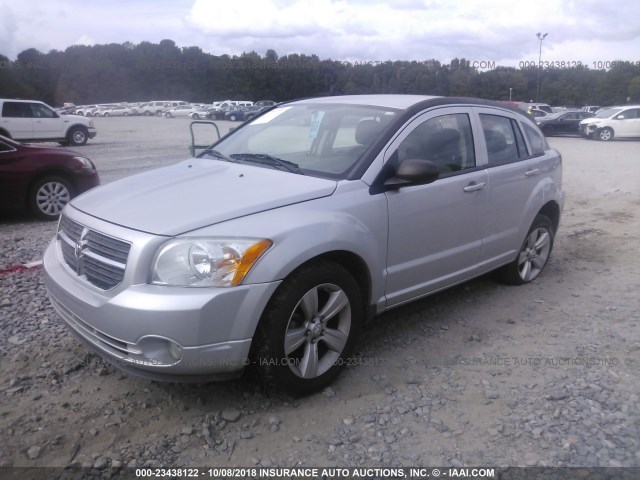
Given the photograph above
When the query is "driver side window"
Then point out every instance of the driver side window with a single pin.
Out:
(446, 140)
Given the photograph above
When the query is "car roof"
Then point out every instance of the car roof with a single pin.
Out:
(382, 100)
(19, 100)
(408, 103)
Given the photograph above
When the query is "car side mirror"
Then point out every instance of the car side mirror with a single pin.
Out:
(620, 117)
(413, 171)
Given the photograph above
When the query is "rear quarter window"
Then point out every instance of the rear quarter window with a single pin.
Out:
(16, 110)
(536, 140)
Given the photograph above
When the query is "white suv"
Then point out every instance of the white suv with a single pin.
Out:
(35, 121)
(622, 122)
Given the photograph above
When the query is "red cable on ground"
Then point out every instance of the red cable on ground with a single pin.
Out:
(25, 266)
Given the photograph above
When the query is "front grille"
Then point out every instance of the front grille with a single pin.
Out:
(99, 258)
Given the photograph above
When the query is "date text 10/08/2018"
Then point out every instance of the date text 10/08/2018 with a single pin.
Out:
(597, 65)
(308, 473)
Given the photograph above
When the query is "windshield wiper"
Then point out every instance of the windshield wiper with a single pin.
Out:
(267, 159)
(217, 154)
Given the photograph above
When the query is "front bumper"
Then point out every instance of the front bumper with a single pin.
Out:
(159, 333)
(588, 130)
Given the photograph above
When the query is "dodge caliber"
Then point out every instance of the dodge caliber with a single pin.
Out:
(275, 244)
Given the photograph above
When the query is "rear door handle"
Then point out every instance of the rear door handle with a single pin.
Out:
(474, 186)
(531, 172)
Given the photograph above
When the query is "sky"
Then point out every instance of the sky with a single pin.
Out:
(488, 33)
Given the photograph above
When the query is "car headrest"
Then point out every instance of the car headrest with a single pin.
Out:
(496, 141)
(367, 131)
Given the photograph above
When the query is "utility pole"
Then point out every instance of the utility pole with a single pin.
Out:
(541, 37)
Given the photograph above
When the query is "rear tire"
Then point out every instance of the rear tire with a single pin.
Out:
(309, 328)
(533, 255)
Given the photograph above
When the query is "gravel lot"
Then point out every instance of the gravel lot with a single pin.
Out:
(484, 375)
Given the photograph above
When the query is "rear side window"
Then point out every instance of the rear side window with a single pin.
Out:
(504, 140)
(16, 110)
(536, 140)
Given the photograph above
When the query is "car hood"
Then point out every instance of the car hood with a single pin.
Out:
(196, 193)
(587, 121)
(76, 119)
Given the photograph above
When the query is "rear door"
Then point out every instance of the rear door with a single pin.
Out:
(516, 163)
(435, 229)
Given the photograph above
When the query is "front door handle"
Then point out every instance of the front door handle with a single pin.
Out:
(531, 172)
(474, 186)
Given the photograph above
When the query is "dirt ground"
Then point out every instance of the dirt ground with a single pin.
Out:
(547, 374)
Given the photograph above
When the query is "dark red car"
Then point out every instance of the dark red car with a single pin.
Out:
(42, 179)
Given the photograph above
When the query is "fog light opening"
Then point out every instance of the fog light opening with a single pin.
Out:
(175, 351)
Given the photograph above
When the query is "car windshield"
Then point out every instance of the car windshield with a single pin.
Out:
(608, 112)
(320, 140)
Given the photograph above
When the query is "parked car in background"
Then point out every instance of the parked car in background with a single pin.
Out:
(102, 111)
(156, 107)
(199, 112)
(42, 179)
(538, 113)
(608, 123)
(119, 111)
(168, 105)
(265, 103)
(30, 120)
(328, 211)
(66, 110)
(590, 108)
(243, 113)
(86, 110)
(186, 111)
(227, 105)
(566, 122)
(540, 106)
(215, 113)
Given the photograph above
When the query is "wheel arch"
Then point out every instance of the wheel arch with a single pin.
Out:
(4, 133)
(354, 264)
(75, 125)
(551, 209)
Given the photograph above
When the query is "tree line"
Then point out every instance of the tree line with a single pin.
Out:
(147, 71)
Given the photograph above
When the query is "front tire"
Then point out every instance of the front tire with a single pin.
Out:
(533, 255)
(548, 131)
(196, 116)
(308, 329)
(48, 196)
(77, 136)
(232, 118)
(605, 135)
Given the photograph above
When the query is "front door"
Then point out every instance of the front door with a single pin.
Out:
(435, 229)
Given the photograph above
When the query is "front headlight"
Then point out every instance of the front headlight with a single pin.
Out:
(85, 163)
(215, 262)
